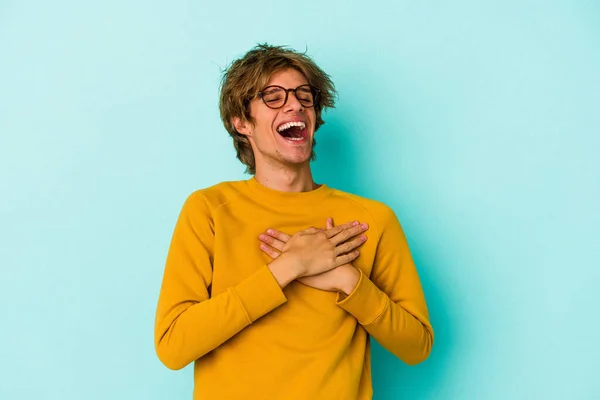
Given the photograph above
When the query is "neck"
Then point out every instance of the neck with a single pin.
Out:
(286, 179)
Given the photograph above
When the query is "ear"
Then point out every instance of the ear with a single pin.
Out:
(242, 126)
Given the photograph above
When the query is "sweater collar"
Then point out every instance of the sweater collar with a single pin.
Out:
(273, 196)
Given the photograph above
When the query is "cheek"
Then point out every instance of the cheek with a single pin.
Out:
(263, 118)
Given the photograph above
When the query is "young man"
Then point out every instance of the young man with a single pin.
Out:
(260, 290)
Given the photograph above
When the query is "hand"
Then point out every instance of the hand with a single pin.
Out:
(313, 251)
(343, 278)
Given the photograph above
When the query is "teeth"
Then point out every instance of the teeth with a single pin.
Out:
(288, 125)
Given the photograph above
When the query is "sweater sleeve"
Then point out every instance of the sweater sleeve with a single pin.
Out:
(189, 321)
(391, 305)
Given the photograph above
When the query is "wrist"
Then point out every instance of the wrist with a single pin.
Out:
(284, 270)
(349, 281)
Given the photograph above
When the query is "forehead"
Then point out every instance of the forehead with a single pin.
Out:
(288, 78)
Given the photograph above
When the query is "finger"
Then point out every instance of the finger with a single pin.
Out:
(348, 233)
(271, 241)
(270, 251)
(350, 245)
(346, 258)
(284, 237)
(329, 223)
(337, 229)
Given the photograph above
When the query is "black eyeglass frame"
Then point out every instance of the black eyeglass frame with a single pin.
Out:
(315, 92)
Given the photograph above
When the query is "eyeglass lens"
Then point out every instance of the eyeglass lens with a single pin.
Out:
(276, 97)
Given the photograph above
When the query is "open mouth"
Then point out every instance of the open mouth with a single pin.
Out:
(294, 131)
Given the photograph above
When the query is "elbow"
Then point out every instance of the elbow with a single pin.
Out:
(417, 358)
(169, 357)
(172, 363)
(422, 353)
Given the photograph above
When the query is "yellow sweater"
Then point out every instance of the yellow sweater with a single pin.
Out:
(221, 308)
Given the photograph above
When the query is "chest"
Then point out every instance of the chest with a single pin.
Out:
(237, 253)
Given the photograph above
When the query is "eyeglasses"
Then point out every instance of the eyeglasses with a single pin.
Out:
(275, 96)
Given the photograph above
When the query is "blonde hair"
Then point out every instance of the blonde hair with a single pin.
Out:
(246, 76)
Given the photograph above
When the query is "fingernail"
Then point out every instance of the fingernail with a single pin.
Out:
(364, 226)
(263, 246)
(262, 237)
(355, 223)
(363, 238)
(270, 231)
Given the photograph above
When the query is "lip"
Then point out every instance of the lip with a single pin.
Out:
(295, 119)
(305, 139)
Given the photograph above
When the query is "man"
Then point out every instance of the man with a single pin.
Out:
(261, 291)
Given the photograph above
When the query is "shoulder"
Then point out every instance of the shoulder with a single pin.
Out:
(214, 197)
(381, 213)
(386, 223)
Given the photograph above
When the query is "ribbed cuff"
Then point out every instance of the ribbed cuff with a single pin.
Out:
(259, 294)
(365, 303)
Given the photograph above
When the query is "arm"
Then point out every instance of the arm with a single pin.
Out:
(391, 305)
(189, 322)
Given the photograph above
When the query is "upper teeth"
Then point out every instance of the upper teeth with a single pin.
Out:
(288, 125)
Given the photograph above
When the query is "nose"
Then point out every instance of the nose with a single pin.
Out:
(292, 103)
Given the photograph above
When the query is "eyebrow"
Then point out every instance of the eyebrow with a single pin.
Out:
(279, 86)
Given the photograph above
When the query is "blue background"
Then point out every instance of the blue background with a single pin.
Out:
(476, 121)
